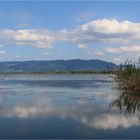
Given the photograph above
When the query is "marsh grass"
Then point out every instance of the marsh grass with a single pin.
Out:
(128, 76)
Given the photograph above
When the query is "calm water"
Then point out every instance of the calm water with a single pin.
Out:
(66, 106)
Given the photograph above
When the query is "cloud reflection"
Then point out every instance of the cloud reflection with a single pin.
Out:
(88, 106)
(29, 110)
(83, 112)
(113, 121)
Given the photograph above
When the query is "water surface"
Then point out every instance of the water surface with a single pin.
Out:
(66, 106)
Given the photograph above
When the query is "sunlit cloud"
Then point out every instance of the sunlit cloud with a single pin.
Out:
(112, 32)
(35, 38)
(104, 30)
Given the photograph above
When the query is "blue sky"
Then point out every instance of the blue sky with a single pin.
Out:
(45, 30)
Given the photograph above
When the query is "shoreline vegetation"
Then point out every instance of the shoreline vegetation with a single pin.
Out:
(128, 76)
(58, 72)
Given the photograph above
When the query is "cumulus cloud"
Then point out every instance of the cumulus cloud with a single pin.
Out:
(109, 31)
(111, 26)
(101, 31)
(36, 38)
(97, 30)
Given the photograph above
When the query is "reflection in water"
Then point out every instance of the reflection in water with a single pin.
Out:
(129, 103)
(83, 111)
(114, 121)
(25, 111)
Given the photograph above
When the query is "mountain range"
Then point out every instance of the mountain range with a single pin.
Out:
(56, 65)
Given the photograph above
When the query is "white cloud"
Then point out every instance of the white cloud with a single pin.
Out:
(102, 31)
(82, 46)
(32, 35)
(106, 31)
(126, 49)
(111, 27)
(110, 32)
(98, 53)
(35, 38)
(112, 50)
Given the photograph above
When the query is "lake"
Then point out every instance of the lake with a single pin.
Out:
(66, 106)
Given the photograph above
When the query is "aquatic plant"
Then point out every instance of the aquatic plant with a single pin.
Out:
(128, 76)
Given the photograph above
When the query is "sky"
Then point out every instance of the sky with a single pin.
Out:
(50, 30)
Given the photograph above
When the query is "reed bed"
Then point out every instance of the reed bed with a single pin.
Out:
(128, 76)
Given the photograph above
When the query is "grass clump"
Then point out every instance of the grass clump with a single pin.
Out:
(128, 76)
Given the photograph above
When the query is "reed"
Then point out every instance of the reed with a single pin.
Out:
(128, 76)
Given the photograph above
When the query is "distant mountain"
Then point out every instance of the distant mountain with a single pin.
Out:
(56, 65)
